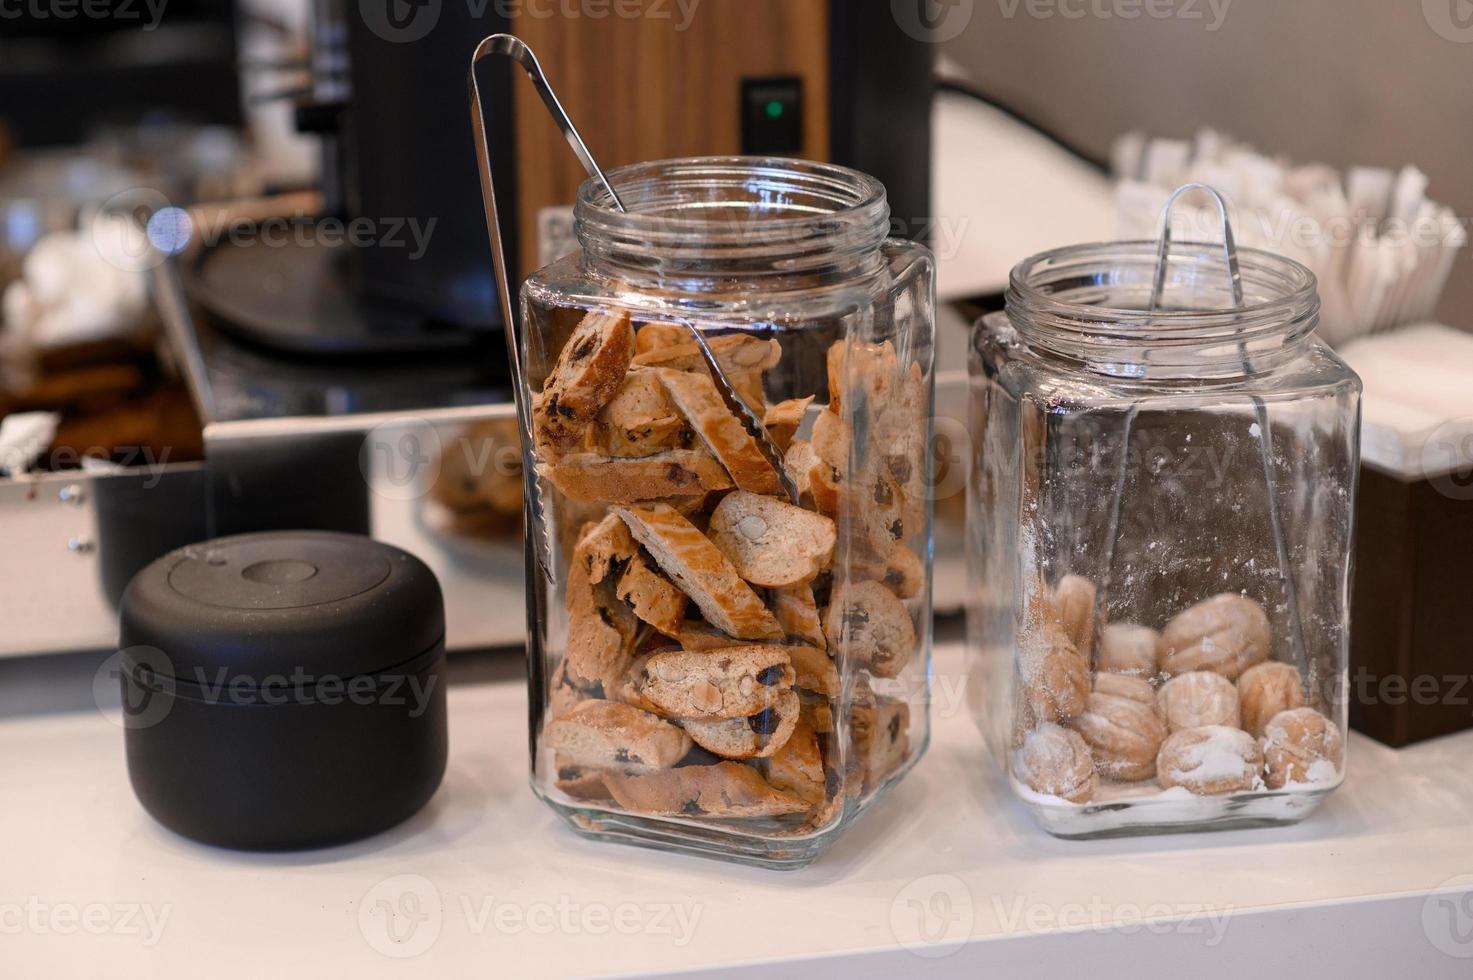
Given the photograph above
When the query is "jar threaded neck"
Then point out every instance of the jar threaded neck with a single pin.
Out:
(713, 223)
(1091, 304)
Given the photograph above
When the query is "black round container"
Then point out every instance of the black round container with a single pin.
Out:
(284, 690)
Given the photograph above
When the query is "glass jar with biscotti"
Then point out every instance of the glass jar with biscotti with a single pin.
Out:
(1160, 533)
(729, 569)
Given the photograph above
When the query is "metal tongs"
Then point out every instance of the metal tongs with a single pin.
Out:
(517, 50)
(1265, 435)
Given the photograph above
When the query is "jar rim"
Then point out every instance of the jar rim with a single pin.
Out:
(1298, 296)
(1196, 332)
(851, 193)
(723, 223)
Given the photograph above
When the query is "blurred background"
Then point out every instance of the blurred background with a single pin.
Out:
(1341, 82)
(246, 282)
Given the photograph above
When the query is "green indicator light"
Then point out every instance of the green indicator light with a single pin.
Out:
(774, 109)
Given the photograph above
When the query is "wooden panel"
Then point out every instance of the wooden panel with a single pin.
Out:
(639, 89)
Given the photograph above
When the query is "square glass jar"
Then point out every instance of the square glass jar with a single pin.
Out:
(729, 636)
(1159, 541)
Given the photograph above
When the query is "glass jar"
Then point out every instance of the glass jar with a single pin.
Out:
(1159, 541)
(729, 637)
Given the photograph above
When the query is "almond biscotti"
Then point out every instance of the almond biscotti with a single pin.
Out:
(735, 682)
(770, 542)
(757, 736)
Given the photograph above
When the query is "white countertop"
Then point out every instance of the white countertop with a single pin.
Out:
(1379, 882)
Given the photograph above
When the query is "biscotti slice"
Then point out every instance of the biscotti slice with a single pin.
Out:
(580, 782)
(610, 735)
(701, 571)
(604, 547)
(563, 694)
(727, 789)
(875, 508)
(735, 682)
(814, 671)
(904, 574)
(658, 335)
(874, 623)
(797, 767)
(816, 711)
(607, 549)
(889, 742)
(600, 633)
(639, 420)
(900, 435)
(604, 479)
(743, 359)
(817, 481)
(756, 736)
(857, 368)
(652, 596)
(587, 373)
(697, 635)
(797, 612)
(734, 352)
(869, 498)
(784, 419)
(770, 542)
(696, 397)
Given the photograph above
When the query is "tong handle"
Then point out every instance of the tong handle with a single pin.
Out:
(516, 49)
(535, 521)
(1229, 245)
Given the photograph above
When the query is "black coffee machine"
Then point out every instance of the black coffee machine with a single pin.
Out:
(388, 105)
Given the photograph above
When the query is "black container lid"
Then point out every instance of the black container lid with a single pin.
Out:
(275, 603)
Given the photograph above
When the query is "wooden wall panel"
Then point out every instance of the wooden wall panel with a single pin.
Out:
(638, 89)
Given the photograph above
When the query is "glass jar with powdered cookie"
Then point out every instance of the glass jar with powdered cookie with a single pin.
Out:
(728, 393)
(1160, 531)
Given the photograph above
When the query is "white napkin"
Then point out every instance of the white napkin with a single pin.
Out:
(1381, 249)
(1417, 414)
